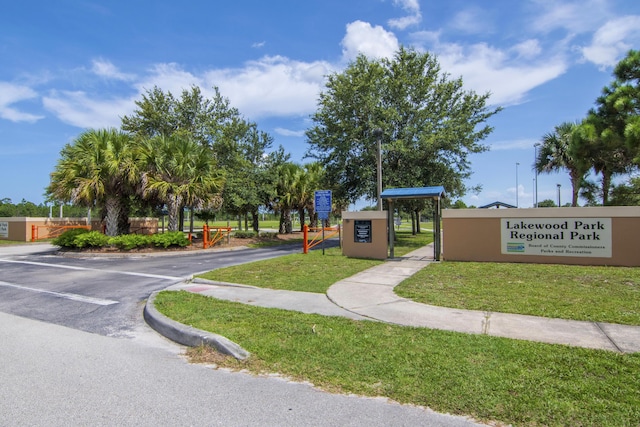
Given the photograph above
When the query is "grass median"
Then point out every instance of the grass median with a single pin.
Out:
(590, 293)
(313, 272)
(488, 378)
(13, 242)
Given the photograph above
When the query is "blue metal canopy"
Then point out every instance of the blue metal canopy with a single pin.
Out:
(393, 194)
(414, 193)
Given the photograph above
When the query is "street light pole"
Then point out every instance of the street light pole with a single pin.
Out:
(535, 166)
(558, 195)
(517, 164)
(378, 134)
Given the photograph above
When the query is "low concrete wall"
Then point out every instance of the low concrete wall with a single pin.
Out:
(582, 236)
(21, 228)
(365, 234)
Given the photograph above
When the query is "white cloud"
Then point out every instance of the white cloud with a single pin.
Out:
(258, 45)
(528, 49)
(272, 86)
(107, 70)
(11, 94)
(486, 69)
(415, 16)
(576, 17)
(472, 21)
(508, 74)
(613, 40)
(426, 37)
(169, 77)
(289, 132)
(518, 144)
(84, 111)
(373, 42)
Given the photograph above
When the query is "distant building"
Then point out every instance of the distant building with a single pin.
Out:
(497, 205)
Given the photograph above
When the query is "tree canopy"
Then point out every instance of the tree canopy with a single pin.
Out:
(430, 125)
(560, 149)
(179, 171)
(607, 141)
(98, 168)
(239, 148)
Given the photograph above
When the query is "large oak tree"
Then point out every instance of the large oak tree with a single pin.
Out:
(430, 125)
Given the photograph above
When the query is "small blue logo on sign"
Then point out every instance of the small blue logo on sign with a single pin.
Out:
(515, 247)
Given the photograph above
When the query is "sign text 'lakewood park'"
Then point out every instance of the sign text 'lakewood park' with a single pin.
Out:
(580, 237)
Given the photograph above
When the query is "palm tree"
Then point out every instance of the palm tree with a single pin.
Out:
(559, 151)
(179, 172)
(310, 180)
(606, 148)
(97, 169)
(286, 198)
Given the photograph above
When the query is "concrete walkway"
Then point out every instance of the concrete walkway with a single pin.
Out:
(370, 295)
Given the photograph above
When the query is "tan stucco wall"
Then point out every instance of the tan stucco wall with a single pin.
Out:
(475, 235)
(20, 228)
(377, 249)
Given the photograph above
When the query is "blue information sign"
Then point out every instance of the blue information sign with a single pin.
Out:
(323, 202)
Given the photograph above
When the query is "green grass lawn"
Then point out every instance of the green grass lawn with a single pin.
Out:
(14, 242)
(488, 378)
(312, 272)
(599, 294)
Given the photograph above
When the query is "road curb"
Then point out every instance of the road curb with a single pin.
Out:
(187, 335)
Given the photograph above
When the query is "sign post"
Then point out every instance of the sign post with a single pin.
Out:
(323, 202)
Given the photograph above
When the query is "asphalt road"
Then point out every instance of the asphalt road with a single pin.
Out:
(74, 350)
(103, 295)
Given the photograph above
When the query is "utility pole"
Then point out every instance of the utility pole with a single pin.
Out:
(378, 134)
(517, 191)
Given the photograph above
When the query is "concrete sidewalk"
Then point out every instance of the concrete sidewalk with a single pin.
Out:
(370, 295)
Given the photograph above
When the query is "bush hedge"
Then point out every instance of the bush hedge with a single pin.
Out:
(172, 238)
(127, 242)
(92, 239)
(268, 235)
(79, 238)
(66, 239)
(240, 234)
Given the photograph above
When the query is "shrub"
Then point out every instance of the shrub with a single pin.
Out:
(92, 239)
(130, 241)
(67, 239)
(269, 235)
(172, 238)
(244, 234)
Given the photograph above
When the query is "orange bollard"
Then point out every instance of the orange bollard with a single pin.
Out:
(305, 237)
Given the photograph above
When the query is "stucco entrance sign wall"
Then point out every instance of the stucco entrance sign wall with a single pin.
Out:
(365, 234)
(581, 237)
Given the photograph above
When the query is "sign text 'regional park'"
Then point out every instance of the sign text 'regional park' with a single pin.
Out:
(581, 237)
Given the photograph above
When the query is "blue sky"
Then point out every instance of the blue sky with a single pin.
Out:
(69, 65)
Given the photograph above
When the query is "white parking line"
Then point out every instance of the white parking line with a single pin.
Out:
(70, 267)
(65, 295)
